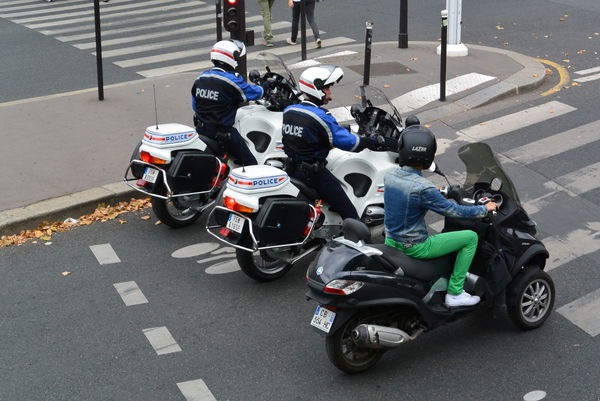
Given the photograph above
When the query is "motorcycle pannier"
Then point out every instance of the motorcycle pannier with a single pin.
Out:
(193, 171)
(281, 221)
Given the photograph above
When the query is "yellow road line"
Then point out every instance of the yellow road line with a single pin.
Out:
(562, 71)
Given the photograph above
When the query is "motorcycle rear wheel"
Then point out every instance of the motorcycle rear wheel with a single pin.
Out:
(345, 354)
(171, 213)
(260, 266)
(530, 298)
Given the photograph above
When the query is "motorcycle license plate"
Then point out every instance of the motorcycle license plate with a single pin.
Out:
(323, 319)
(150, 175)
(235, 223)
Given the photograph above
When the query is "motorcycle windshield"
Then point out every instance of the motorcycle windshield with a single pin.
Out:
(483, 166)
(370, 96)
(265, 61)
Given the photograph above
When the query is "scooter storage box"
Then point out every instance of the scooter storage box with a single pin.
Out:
(193, 171)
(281, 221)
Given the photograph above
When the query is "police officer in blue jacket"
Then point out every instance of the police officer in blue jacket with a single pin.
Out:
(309, 133)
(216, 96)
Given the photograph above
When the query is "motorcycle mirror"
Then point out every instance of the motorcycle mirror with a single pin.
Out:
(254, 76)
(496, 184)
(436, 170)
(356, 109)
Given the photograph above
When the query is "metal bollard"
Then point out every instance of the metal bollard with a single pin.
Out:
(403, 30)
(98, 50)
(219, 18)
(443, 55)
(303, 28)
(368, 41)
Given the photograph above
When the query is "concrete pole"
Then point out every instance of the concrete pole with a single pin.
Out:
(455, 47)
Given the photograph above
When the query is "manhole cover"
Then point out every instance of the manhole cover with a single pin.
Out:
(383, 69)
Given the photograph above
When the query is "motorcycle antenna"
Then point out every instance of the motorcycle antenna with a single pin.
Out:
(155, 109)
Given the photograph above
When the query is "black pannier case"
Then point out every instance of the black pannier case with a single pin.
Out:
(192, 171)
(281, 221)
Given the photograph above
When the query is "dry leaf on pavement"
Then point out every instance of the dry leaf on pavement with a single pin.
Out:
(499, 27)
(145, 217)
(65, 273)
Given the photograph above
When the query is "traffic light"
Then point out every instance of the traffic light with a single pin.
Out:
(233, 15)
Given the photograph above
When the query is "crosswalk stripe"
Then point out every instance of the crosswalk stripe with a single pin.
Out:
(161, 340)
(582, 180)
(588, 71)
(566, 248)
(165, 33)
(205, 64)
(196, 390)
(21, 5)
(588, 78)
(183, 53)
(584, 312)
(555, 144)
(71, 21)
(106, 25)
(514, 121)
(44, 10)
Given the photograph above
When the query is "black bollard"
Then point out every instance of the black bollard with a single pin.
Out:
(403, 31)
(98, 50)
(218, 20)
(368, 41)
(443, 55)
(303, 28)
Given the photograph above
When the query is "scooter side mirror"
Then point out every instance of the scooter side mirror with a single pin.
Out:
(433, 168)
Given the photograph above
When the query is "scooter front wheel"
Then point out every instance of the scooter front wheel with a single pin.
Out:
(530, 298)
(261, 265)
(345, 354)
(173, 214)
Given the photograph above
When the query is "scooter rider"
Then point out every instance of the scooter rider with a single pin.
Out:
(216, 96)
(310, 131)
(407, 198)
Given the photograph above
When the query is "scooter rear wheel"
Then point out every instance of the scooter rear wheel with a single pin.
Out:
(261, 266)
(173, 214)
(530, 298)
(345, 354)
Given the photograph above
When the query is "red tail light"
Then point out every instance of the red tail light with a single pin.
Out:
(343, 287)
(148, 158)
(232, 204)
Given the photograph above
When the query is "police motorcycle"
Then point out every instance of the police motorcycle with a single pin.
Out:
(373, 298)
(183, 171)
(274, 220)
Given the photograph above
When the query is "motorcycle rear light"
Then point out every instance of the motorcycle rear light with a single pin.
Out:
(148, 158)
(343, 287)
(141, 183)
(232, 204)
(224, 231)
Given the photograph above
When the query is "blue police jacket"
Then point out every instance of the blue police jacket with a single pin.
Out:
(217, 94)
(408, 196)
(309, 132)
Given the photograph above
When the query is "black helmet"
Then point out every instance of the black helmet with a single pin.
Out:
(416, 147)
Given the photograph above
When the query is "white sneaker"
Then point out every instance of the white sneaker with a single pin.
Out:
(290, 41)
(318, 43)
(462, 299)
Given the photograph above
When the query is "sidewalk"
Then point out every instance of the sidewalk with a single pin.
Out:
(65, 153)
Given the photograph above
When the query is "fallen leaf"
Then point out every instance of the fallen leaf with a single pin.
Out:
(499, 27)
(596, 33)
(158, 222)
(48, 243)
(427, 126)
(65, 273)
(387, 86)
(566, 60)
(549, 71)
(582, 51)
(506, 44)
(547, 36)
(45, 238)
(145, 217)
(575, 83)
(122, 221)
(535, 75)
(414, 59)
(495, 37)
(561, 19)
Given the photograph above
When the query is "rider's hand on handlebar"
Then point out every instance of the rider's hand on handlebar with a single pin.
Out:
(376, 143)
(491, 206)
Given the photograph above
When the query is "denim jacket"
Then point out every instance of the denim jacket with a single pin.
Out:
(407, 198)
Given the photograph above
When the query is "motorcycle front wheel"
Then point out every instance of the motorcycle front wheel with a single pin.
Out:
(345, 354)
(174, 214)
(262, 265)
(530, 298)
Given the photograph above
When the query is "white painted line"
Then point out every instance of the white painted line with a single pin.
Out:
(195, 250)
(588, 71)
(6, 5)
(205, 64)
(422, 96)
(556, 144)
(536, 395)
(130, 293)
(227, 266)
(304, 64)
(582, 180)
(105, 254)
(72, 21)
(588, 78)
(584, 312)
(161, 340)
(195, 390)
(338, 54)
(12, 12)
(514, 121)
(566, 248)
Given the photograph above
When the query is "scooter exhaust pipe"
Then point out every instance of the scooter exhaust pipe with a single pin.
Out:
(380, 337)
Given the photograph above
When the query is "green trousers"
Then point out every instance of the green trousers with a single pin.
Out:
(265, 11)
(465, 242)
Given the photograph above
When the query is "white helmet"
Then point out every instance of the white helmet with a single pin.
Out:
(314, 79)
(228, 52)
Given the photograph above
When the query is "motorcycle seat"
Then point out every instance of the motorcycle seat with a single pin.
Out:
(212, 144)
(310, 194)
(420, 269)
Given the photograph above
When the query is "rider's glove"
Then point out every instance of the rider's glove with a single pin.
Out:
(376, 143)
(266, 85)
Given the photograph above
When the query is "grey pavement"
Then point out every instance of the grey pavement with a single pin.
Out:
(65, 153)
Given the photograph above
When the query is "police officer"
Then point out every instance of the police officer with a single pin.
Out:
(310, 131)
(216, 96)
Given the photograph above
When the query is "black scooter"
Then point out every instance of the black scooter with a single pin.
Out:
(374, 298)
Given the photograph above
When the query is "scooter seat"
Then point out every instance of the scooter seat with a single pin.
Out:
(420, 269)
(310, 194)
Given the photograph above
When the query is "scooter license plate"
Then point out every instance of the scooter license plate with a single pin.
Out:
(150, 175)
(235, 223)
(323, 319)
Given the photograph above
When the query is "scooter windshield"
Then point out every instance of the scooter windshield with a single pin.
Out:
(265, 61)
(483, 166)
(370, 96)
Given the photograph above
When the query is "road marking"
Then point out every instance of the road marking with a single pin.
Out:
(338, 54)
(41, 9)
(588, 78)
(582, 180)
(195, 250)
(514, 121)
(536, 395)
(161, 340)
(555, 144)
(105, 254)
(588, 71)
(227, 266)
(566, 248)
(205, 64)
(195, 390)
(420, 97)
(562, 72)
(584, 312)
(130, 293)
